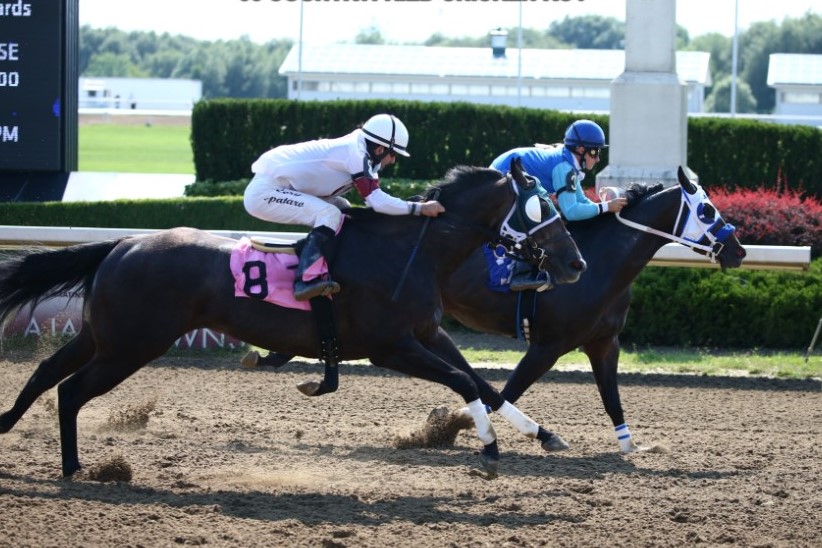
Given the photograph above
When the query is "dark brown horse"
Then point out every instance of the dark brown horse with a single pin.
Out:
(143, 292)
(592, 312)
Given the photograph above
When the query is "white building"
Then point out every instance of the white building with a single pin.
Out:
(797, 79)
(162, 94)
(561, 79)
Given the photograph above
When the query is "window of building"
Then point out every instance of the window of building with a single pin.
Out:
(590, 92)
(420, 88)
(307, 85)
(550, 91)
(801, 97)
(506, 91)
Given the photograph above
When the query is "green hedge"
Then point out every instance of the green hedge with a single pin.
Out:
(229, 134)
(731, 309)
(221, 213)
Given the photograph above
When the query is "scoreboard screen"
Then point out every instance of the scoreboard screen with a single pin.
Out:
(32, 57)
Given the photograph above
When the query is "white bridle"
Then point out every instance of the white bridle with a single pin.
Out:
(695, 228)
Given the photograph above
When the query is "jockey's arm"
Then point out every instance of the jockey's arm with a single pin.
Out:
(384, 203)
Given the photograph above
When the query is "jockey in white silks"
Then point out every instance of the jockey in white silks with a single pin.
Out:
(304, 184)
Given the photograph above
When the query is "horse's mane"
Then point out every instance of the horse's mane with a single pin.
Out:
(461, 178)
(636, 192)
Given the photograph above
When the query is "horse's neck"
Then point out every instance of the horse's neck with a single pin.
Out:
(452, 246)
(621, 252)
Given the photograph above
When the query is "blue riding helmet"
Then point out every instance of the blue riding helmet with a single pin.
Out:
(585, 133)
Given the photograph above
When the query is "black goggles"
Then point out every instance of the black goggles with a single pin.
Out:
(593, 152)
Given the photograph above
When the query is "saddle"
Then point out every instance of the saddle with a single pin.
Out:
(263, 268)
(274, 245)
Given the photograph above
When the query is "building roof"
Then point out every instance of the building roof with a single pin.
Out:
(554, 64)
(794, 69)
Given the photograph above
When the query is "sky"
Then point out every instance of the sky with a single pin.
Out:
(403, 21)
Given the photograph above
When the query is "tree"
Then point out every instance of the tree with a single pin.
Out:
(116, 65)
(795, 35)
(370, 35)
(589, 32)
(721, 48)
(720, 98)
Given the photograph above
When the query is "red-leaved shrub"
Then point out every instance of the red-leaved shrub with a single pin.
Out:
(769, 217)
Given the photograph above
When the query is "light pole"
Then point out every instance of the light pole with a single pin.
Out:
(734, 57)
(300, 56)
(519, 61)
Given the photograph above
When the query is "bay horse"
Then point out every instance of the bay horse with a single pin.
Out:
(143, 292)
(592, 312)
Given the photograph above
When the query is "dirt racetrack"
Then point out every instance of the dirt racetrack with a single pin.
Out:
(222, 456)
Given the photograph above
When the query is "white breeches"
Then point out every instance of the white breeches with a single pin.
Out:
(267, 201)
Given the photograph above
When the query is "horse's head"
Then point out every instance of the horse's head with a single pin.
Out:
(535, 232)
(702, 224)
(512, 210)
(697, 223)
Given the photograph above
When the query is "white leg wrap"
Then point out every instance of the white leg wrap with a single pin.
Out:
(485, 432)
(520, 421)
(623, 434)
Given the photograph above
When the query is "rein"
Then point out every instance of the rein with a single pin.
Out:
(425, 223)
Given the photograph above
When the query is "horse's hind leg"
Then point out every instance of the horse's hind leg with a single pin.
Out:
(68, 359)
(98, 377)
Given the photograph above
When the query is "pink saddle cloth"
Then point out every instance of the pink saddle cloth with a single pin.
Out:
(269, 276)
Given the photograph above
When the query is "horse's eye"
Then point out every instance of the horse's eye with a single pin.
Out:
(706, 212)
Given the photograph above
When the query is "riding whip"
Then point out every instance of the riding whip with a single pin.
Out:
(404, 275)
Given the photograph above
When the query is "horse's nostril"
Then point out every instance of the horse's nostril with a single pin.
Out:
(579, 265)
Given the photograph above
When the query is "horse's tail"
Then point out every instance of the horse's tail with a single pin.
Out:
(40, 275)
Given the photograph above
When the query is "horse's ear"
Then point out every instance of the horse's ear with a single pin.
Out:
(684, 182)
(516, 168)
(520, 176)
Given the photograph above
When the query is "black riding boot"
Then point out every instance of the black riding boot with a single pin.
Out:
(524, 278)
(310, 254)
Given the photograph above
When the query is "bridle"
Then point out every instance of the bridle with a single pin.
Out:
(715, 231)
(509, 241)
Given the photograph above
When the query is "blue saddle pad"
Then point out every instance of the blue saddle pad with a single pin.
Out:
(500, 268)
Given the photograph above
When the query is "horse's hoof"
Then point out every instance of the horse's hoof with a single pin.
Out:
(250, 360)
(634, 448)
(489, 459)
(555, 443)
(489, 465)
(309, 388)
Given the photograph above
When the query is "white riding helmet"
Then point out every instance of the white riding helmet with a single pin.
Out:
(387, 130)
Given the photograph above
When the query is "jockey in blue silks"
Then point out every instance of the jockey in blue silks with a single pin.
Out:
(559, 168)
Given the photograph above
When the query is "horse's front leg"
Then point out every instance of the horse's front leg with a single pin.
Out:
(604, 357)
(415, 360)
(442, 345)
